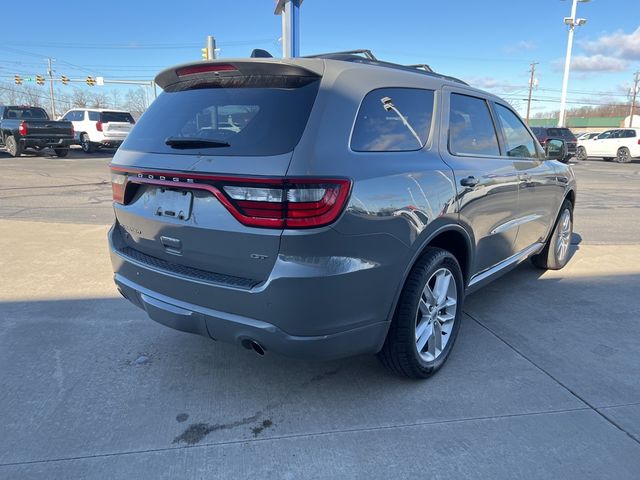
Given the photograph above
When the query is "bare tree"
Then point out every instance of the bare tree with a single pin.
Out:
(116, 98)
(33, 96)
(80, 98)
(99, 100)
(9, 94)
(136, 101)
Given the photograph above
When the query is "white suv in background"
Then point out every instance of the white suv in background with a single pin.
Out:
(99, 128)
(621, 144)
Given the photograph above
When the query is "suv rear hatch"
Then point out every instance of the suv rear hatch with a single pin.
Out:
(116, 124)
(200, 181)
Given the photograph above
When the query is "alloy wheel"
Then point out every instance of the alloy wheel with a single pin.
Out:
(436, 314)
(564, 235)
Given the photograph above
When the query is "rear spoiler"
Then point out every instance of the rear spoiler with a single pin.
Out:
(232, 73)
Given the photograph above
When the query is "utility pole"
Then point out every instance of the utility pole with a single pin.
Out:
(531, 82)
(53, 102)
(636, 83)
(211, 47)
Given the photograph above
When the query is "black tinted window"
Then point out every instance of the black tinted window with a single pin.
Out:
(252, 121)
(94, 116)
(471, 129)
(25, 113)
(122, 117)
(393, 120)
(518, 141)
(629, 133)
(559, 133)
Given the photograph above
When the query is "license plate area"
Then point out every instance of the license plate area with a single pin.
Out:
(172, 203)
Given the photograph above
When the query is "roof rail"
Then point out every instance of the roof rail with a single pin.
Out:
(421, 66)
(365, 56)
(364, 52)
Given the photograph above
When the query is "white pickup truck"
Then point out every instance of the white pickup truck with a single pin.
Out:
(622, 144)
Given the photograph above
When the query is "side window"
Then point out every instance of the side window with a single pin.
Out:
(393, 120)
(518, 141)
(629, 133)
(94, 116)
(69, 116)
(471, 129)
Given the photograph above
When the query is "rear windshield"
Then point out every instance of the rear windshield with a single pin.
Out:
(124, 117)
(244, 121)
(560, 132)
(25, 113)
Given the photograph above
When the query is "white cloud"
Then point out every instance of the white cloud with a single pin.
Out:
(522, 45)
(598, 63)
(618, 44)
(490, 83)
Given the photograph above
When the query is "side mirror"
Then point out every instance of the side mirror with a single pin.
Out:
(556, 149)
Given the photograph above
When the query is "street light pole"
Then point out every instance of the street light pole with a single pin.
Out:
(572, 21)
(290, 12)
(53, 102)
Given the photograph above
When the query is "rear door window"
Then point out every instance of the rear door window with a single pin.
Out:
(471, 129)
(518, 141)
(122, 117)
(241, 121)
(94, 116)
(393, 120)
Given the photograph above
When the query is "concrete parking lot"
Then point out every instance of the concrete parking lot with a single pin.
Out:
(544, 381)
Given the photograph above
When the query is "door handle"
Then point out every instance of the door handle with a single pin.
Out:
(469, 181)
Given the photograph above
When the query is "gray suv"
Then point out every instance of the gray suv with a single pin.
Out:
(330, 206)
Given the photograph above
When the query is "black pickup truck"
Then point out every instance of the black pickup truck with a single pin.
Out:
(23, 127)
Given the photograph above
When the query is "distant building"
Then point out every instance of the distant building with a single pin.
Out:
(586, 124)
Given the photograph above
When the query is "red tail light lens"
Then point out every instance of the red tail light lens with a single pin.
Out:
(73, 132)
(255, 202)
(99, 125)
(118, 186)
(22, 129)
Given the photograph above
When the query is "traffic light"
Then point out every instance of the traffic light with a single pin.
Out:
(39, 79)
(205, 53)
(65, 80)
(18, 80)
(91, 81)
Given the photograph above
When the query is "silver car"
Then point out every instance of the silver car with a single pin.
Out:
(348, 211)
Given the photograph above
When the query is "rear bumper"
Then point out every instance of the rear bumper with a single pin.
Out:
(46, 142)
(297, 312)
(236, 329)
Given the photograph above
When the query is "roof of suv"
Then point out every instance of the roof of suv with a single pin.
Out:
(315, 64)
(100, 110)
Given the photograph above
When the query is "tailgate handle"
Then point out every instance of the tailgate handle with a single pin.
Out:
(171, 245)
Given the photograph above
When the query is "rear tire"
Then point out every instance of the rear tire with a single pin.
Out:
(555, 254)
(61, 152)
(13, 146)
(581, 154)
(87, 146)
(427, 319)
(624, 156)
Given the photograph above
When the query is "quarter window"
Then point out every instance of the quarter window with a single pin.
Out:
(518, 141)
(393, 120)
(471, 130)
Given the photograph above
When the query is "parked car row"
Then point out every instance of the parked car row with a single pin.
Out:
(23, 127)
(622, 144)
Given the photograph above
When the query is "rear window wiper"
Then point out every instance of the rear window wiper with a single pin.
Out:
(186, 142)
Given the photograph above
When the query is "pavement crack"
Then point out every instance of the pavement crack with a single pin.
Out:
(552, 377)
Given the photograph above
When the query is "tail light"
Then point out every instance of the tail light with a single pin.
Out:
(22, 129)
(255, 202)
(99, 125)
(118, 185)
(73, 132)
(209, 68)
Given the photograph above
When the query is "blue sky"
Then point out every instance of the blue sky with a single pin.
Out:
(489, 43)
